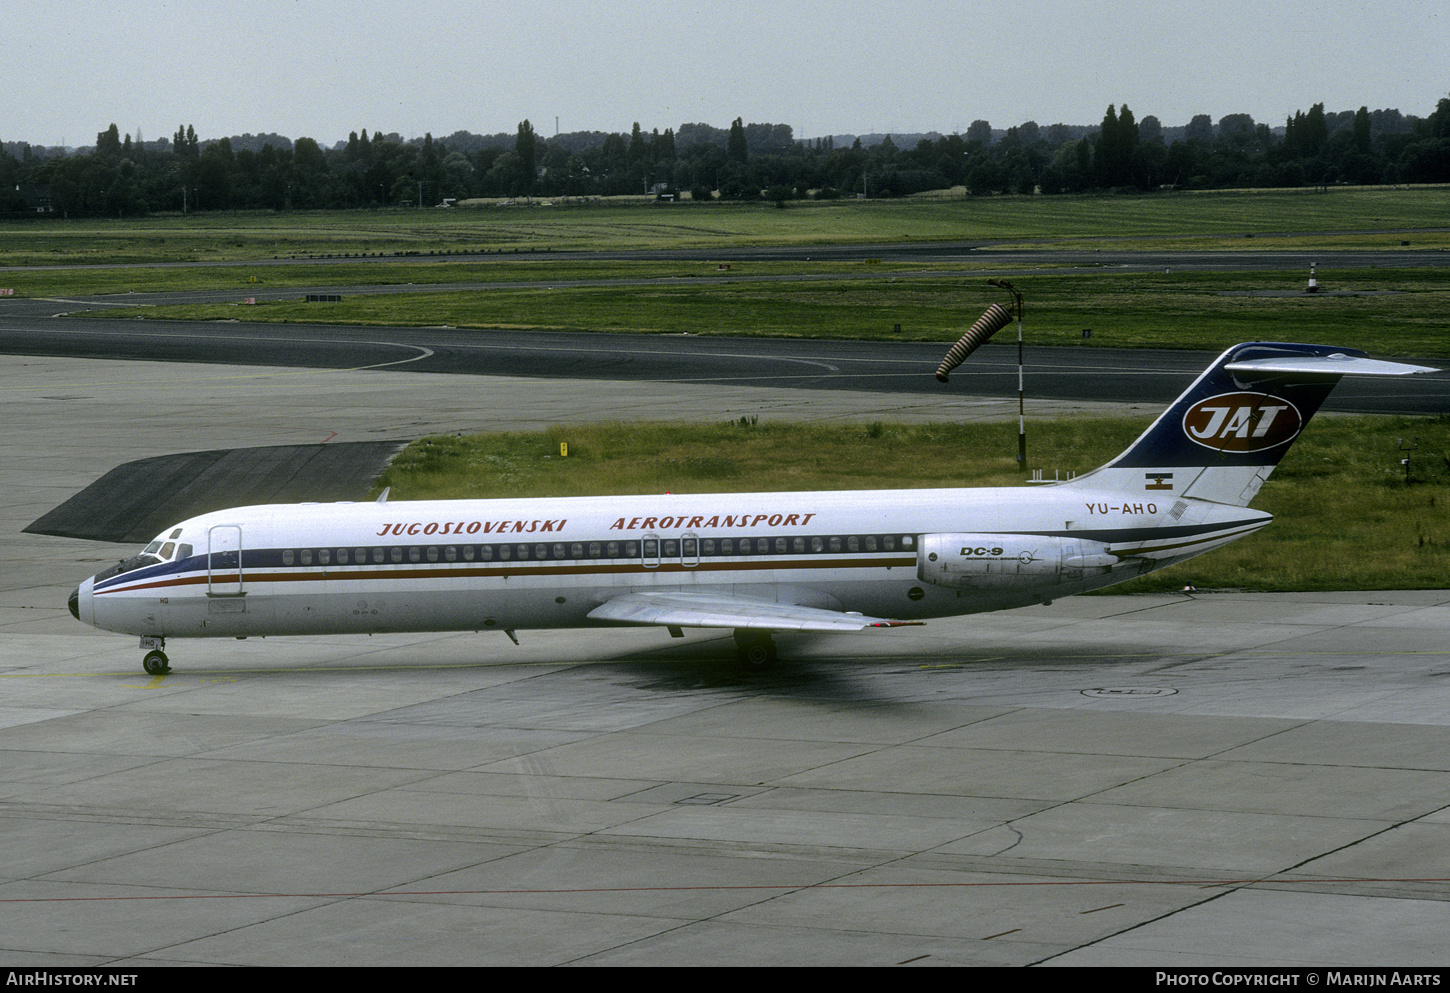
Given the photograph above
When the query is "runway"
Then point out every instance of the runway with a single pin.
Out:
(903, 369)
(1186, 780)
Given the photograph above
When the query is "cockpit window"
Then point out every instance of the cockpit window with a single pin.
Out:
(163, 549)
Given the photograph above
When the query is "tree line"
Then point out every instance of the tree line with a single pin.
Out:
(122, 176)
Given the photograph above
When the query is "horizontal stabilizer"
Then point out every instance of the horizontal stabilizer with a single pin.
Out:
(1337, 364)
(715, 610)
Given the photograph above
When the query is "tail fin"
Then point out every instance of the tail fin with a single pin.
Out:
(1220, 440)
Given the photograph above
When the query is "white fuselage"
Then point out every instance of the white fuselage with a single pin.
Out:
(545, 563)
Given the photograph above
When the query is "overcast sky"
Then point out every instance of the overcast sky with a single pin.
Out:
(322, 69)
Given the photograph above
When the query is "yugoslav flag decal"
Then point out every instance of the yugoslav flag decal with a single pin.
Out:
(1242, 422)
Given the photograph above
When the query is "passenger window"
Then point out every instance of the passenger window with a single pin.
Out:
(450, 554)
(709, 546)
(306, 556)
(378, 555)
(505, 552)
(611, 550)
(396, 554)
(888, 542)
(853, 544)
(835, 544)
(727, 546)
(798, 545)
(287, 556)
(907, 541)
(780, 544)
(324, 556)
(870, 543)
(594, 549)
(468, 553)
(523, 551)
(432, 553)
(414, 555)
(672, 548)
(818, 545)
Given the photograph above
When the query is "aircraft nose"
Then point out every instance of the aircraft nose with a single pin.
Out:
(74, 603)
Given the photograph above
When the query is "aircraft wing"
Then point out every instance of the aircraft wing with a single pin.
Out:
(718, 610)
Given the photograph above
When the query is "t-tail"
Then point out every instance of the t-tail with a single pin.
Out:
(1222, 438)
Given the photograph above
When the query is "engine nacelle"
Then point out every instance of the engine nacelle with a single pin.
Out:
(1008, 561)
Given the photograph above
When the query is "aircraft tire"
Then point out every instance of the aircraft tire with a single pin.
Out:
(757, 655)
(156, 663)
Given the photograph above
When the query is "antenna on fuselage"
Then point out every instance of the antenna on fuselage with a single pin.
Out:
(383, 496)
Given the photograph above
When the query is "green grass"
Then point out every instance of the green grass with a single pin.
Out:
(242, 278)
(1388, 311)
(1400, 312)
(1344, 516)
(1371, 216)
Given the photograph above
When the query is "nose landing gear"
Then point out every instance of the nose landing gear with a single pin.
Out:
(155, 662)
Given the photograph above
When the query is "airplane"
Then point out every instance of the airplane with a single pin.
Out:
(754, 563)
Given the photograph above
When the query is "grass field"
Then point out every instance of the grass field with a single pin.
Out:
(1385, 311)
(1345, 518)
(1393, 312)
(1352, 217)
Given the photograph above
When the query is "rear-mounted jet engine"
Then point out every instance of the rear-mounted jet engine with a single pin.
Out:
(1008, 561)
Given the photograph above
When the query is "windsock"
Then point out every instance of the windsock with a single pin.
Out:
(995, 319)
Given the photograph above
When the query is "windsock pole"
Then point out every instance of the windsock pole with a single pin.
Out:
(1021, 392)
(996, 318)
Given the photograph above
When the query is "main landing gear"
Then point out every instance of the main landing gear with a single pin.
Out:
(754, 649)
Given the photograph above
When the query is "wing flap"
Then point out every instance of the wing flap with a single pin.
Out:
(713, 610)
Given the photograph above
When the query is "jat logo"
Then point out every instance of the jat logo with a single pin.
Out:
(1242, 422)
